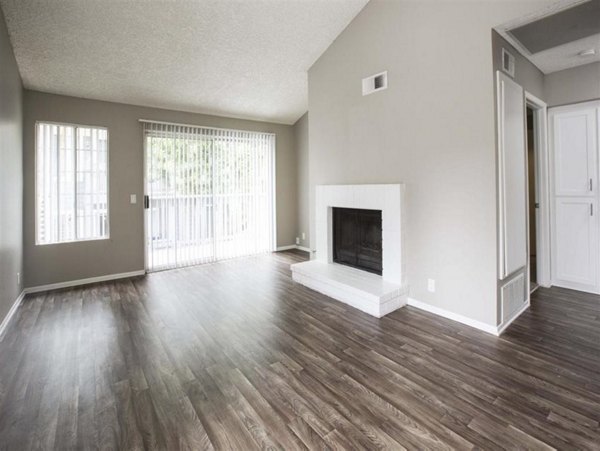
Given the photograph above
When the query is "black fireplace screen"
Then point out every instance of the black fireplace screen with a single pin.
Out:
(357, 238)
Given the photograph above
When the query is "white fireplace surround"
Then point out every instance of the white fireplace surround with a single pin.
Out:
(371, 293)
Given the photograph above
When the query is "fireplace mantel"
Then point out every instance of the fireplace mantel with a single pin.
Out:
(374, 294)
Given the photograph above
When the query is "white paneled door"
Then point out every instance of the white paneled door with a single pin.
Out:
(512, 177)
(210, 194)
(575, 244)
(575, 152)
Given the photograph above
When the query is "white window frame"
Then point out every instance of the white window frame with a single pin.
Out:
(35, 180)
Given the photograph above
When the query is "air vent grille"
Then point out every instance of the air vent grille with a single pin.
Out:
(374, 83)
(508, 63)
(513, 297)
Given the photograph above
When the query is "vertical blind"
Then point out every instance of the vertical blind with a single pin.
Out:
(210, 194)
(71, 183)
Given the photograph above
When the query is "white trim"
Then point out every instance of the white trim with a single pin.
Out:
(501, 327)
(534, 100)
(74, 283)
(542, 159)
(576, 287)
(493, 330)
(286, 248)
(35, 181)
(10, 314)
(292, 246)
(145, 194)
(274, 194)
(453, 316)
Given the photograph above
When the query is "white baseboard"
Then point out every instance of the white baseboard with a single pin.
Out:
(575, 286)
(285, 248)
(454, 316)
(11, 313)
(502, 327)
(292, 246)
(74, 283)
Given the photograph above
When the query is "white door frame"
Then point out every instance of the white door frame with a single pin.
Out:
(144, 197)
(542, 172)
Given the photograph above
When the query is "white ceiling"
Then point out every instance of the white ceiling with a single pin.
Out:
(557, 58)
(246, 59)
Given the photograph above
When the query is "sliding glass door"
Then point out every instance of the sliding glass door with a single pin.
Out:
(209, 194)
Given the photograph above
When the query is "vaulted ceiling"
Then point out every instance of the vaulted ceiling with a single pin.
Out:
(246, 59)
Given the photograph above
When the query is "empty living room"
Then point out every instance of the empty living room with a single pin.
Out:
(299, 224)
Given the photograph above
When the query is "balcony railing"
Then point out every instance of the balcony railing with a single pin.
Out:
(198, 228)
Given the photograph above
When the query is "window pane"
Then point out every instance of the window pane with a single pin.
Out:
(66, 186)
(71, 183)
(92, 198)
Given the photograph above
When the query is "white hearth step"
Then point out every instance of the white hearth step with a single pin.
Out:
(360, 289)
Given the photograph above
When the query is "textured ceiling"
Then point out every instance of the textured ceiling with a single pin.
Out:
(245, 58)
(561, 56)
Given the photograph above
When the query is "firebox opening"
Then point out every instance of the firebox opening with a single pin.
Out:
(357, 239)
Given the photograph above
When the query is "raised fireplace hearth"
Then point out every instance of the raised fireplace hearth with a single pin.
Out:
(358, 256)
(357, 238)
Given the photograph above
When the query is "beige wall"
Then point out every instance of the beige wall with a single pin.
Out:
(11, 175)
(433, 129)
(573, 85)
(124, 251)
(301, 149)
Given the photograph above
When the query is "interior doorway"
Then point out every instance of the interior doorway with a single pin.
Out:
(532, 195)
(537, 193)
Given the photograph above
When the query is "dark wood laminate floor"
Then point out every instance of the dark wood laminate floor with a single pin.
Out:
(234, 355)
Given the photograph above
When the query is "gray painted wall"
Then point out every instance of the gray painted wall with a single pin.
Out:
(124, 251)
(433, 129)
(564, 87)
(573, 85)
(301, 148)
(526, 73)
(11, 174)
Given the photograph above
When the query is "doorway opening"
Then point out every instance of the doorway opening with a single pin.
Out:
(532, 196)
(538, 218)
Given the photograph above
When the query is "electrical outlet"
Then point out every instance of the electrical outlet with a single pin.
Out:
(303, 236)
(297, 240)
(133, 198)
(431, 285)
(19, 279)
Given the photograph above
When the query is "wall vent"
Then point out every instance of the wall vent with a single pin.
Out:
(513, 297)
(374, 83)
(508, 63)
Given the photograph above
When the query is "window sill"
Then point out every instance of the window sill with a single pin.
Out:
(73, 241)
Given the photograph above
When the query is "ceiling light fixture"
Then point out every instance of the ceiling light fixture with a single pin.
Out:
(588, 52)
